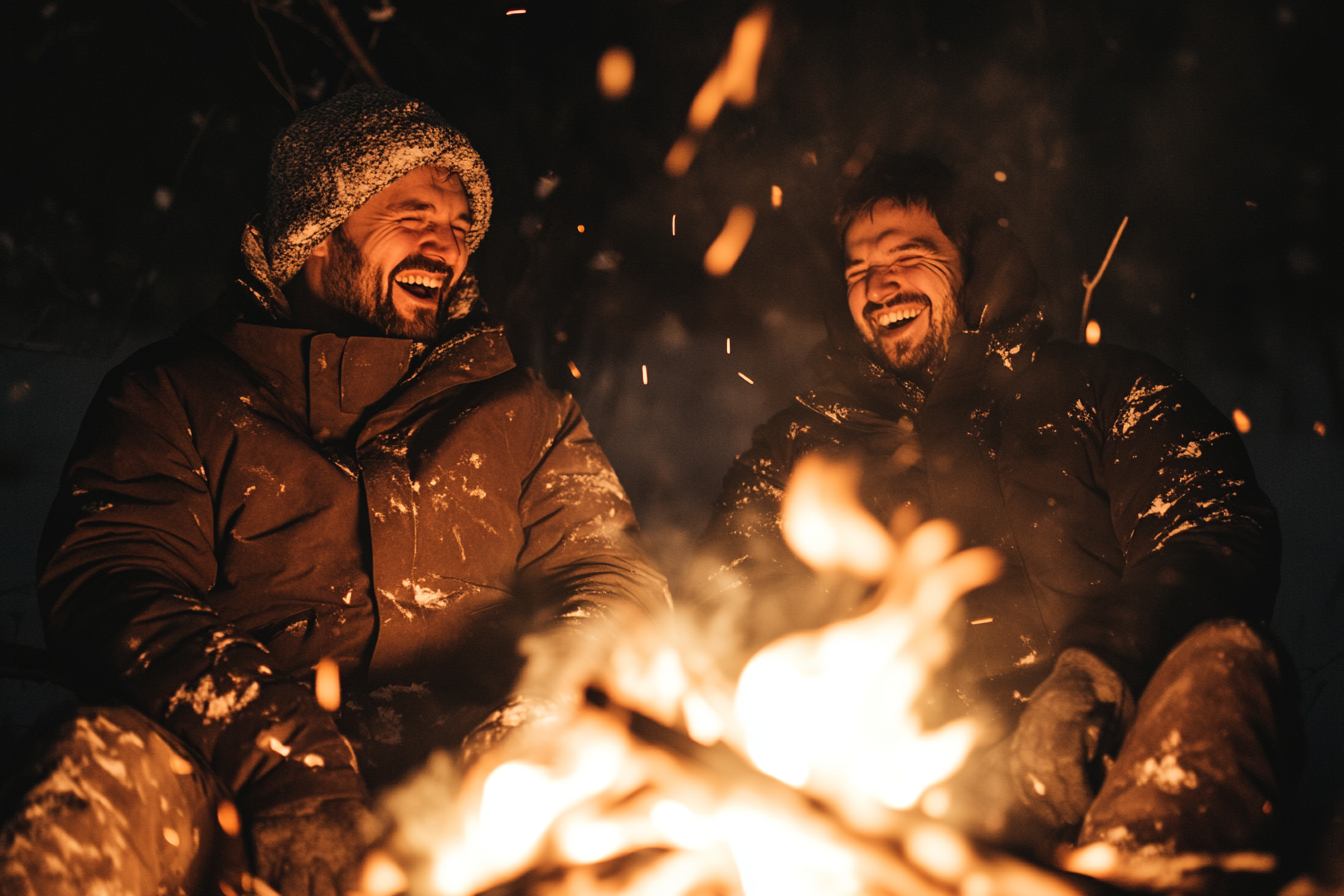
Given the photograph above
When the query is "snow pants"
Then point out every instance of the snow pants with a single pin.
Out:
(1212, 755)
(110, 805)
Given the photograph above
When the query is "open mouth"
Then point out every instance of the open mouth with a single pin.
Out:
(423, 286)
(892, 319)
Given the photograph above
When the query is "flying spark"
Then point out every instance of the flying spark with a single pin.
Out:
(574, 370)
(728, 349)
(674, 225)
(749, 380)
(1093, 332)
(1241, 421)
(1000, 176)
(644, 372)
(1319, 429)
(776, 196)
(515, 12)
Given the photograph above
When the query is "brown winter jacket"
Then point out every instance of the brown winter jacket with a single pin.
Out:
(1123, 503)
(245, 499)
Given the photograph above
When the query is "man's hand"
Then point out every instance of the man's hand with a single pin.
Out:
(311, 847)
(1076, 715)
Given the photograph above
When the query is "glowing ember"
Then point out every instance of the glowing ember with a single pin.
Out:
(1000, 176)
(1241, 421)
(674, 225)
(515, 12)
(728, 350)
(854, 165)
(680, 156)
(723, 253)
(776, 196)
(644, 373)
(1319, 428)
(750, 381)
(1093, 332)
(327, 685)
(574, 370)
(579, 228)
(227, 816)
(615, 73)
(1094, 860)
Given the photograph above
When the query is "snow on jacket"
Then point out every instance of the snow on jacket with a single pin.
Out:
(245, 499)
(1123, 503)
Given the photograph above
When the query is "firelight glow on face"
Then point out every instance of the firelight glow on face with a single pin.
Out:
(395, 259)
(903, 276)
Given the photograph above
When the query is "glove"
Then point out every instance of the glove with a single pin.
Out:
(1076, 716)
(518, 714)
(311, 847)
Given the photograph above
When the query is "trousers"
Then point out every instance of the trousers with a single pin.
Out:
(112, 805)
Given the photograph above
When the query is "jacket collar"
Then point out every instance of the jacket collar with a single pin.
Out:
(335, 384)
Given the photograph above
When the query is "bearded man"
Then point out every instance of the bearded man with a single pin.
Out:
(339, 462)
(1120, 661)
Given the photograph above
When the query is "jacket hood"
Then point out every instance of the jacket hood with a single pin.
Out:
(1001, 296)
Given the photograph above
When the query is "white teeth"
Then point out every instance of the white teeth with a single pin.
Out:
(432, 281)
(887, 318)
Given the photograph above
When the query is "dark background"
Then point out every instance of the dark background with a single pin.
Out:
(136, 137)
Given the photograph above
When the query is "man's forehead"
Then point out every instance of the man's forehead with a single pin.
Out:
(889, 217)
(430, 179)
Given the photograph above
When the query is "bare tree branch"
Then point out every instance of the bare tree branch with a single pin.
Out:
(288, 91)
(1090, 284)
(351, 45)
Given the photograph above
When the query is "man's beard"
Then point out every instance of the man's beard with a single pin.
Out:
(922, 361)
(354, 286)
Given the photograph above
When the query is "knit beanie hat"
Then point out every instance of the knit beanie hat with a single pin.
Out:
(335, 157)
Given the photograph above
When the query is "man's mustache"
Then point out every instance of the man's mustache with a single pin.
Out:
(422, 263)
(899, 298)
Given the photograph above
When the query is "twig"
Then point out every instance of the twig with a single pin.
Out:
(287, 11)
(288, 92)
(279, 88)
(1090, 284)
(351, 45)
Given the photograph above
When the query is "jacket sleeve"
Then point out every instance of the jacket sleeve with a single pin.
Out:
(126, 567)
(1200, 539)
(581, 554)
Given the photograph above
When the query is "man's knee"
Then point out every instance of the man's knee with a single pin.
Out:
(107, 797)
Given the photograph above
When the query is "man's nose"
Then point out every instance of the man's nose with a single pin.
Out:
(883, 283)
(442, 242)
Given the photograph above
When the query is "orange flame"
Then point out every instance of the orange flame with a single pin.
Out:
(723, 253)
(733, 81)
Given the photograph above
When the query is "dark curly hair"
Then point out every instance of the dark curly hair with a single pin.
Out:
(913, 181)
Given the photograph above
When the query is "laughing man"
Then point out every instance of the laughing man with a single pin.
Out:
(342, 462)
(1120, 662)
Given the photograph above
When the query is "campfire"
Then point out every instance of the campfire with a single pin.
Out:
(813, 774)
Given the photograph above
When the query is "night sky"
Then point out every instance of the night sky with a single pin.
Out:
(136, 137)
